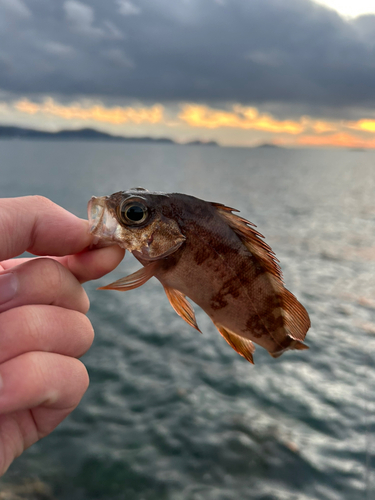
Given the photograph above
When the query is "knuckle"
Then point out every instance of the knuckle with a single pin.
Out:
(41, 200)
(63, 287)
(86, 335)
(27, 321)
(86, 302)
(85, 379)
(80, 380)
(51, 272)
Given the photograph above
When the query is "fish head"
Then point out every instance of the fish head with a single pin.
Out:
(135, 220)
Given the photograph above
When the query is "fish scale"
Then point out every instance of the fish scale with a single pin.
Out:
(203, 251)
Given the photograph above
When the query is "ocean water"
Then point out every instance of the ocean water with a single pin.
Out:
(174, 415)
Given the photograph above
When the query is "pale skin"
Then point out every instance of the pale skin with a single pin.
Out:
(43, 324)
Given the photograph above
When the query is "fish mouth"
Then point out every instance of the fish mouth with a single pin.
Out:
(102, 223)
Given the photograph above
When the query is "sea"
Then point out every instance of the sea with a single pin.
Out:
(171, 414)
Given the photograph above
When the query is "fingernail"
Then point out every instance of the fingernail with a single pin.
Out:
(8, 287)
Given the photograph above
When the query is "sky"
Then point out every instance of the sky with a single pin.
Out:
(296, 73)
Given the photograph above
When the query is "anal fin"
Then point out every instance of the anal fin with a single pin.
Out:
(134, 280)
(243, 346)
(182, 307)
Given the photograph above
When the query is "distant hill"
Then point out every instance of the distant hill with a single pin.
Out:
(268, 145)
(84, 134)
(201, 143)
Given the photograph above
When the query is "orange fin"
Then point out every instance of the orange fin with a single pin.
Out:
(297, 320)
(134, 280)
(296, 345)
(251, 238)
(181, 306)
(243, 346)
(299, 346)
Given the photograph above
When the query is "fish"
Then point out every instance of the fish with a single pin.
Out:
(204, 251)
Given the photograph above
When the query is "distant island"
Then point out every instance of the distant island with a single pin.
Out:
(88, 134)
(268, 145)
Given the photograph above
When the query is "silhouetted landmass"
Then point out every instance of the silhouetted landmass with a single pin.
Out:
(268, 145)
(83, 134)
(202, 143)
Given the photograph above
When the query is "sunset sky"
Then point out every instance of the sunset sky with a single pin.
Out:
(296, 73)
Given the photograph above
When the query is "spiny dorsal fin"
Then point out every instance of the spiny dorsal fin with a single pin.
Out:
(251, 238)
(134, 280)
(181, 306)
(296, 319)
(243, 346)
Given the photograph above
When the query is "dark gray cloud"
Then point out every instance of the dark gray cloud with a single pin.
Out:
(249, 51)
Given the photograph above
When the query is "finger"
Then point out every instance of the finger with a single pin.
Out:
(40, 226)
(94, 264)
(44, 328)
(41, 281)
(41, 379)
(87, 265)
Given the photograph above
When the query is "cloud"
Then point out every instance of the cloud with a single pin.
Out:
(118, 58)
(57, 49)
(366, 125)
(239, 125)
(98, 113)
(259, 53)
(127, 8)
(239, 117)
(81, 17)
(113, 31)
(341, 139)
(17, 7)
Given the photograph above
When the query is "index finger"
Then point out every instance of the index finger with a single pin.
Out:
(39, 226)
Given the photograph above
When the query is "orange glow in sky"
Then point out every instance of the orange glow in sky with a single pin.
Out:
(99, 113)
(196, 120)
(241, 117)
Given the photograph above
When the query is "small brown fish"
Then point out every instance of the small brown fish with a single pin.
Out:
(203, 251)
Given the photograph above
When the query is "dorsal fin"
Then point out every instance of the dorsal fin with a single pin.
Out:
(251, 238)
(296, 321)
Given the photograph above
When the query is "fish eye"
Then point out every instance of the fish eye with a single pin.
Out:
(133, 213)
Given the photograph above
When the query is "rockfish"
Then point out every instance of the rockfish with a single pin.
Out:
(203, 251)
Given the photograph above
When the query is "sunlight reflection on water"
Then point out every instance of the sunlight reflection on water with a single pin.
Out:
(174, 414)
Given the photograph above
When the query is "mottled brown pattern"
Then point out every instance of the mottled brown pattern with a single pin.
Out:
(231, 287)
(264, 325)
(218, 301)
(205, 252)
(252, 239)
(201, 254)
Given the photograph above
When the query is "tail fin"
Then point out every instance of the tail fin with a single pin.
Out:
(297, 319)
(294, 345)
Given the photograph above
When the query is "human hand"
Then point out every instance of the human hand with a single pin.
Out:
(43, 326)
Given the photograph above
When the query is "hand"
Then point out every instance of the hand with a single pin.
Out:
(43, 326)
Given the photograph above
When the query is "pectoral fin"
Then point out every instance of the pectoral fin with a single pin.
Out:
(243, 346)
(181, 306)
(134, 280)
